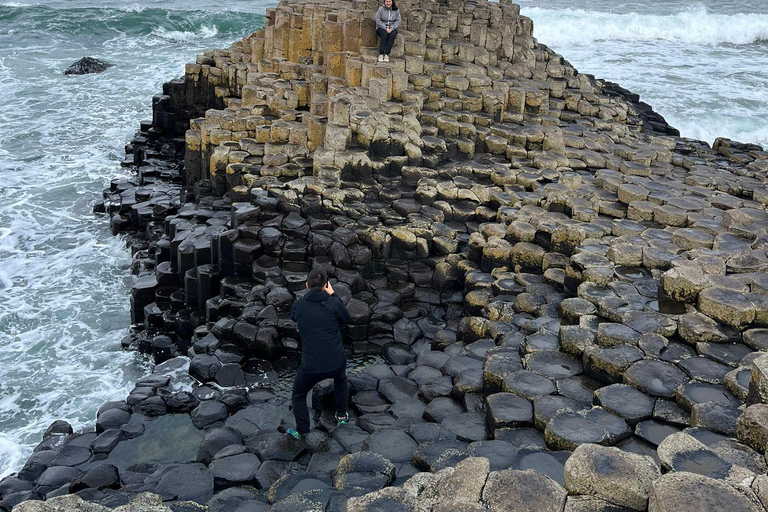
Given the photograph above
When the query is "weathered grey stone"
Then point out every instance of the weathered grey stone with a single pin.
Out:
(695, 328)
(682, 452)
(688, 492)
(464, 483)
(684, 283)
(523, 491)
(758, 381)
(619, 477)
(364, 469)
(752, 427)
(727, 306)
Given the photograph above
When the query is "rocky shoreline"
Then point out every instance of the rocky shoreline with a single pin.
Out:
(569, 301)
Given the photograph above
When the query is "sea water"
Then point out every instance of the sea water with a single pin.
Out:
(702, 65)
(64, 280)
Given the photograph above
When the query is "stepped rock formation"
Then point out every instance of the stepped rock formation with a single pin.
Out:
(570, 299)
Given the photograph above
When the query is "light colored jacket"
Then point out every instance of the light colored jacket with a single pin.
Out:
(387, 18)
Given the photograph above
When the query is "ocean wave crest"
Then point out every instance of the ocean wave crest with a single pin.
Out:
(128, 21)
(186, 36)
(568, 27)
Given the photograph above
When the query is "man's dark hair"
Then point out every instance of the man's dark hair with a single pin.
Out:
(317, 278)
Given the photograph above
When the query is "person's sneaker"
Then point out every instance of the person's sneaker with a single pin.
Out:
(381, 58)
(293, 433)
(386, 58)
(342, 420)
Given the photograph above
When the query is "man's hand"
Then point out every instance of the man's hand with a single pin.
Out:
(328, 288)
(389, 31)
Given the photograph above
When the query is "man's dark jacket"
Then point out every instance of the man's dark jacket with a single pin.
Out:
(320, 317)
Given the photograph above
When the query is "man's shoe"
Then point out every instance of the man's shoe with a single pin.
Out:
(381, 58)
(386, 58)
(342, 420)
(293, 433)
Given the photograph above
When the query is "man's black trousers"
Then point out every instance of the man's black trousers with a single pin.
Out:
(386, 41)
(304, 383)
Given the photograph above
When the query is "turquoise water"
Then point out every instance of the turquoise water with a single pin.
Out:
(702, 65)
(64, 280)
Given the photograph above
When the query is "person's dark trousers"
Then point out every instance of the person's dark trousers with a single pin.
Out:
(386, 41)
(304, 383)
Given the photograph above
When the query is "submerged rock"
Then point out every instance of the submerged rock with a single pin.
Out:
(87, 65)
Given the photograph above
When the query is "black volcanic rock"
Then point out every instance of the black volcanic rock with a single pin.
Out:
(87, 65)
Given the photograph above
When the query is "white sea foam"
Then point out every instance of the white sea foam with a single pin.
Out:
(565, 27)
(708, 128)
(183, 36)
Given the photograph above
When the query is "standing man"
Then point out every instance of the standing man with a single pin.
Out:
(320, 315)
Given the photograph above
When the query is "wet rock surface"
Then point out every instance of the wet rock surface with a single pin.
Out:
(540, 273)
(87, 65)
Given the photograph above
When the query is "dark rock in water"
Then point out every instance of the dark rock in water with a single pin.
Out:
(87, 65)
